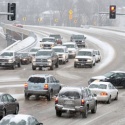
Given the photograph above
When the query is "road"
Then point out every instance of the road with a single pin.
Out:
(111, 45)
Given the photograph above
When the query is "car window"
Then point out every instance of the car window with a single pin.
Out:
(9, 122)
(10, 98)
(84, 53)
(4, 98)
(110, 87)
(37, 79)
(51, 79)
(54, 79)
(32, 121)
(47, 79)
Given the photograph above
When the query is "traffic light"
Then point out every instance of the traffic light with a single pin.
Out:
(12, 9)
(112, 11)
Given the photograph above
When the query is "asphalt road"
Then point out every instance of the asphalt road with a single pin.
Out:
(107, 114)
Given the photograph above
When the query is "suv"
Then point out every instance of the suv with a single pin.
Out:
(117, 78)
(57, 37)
(45, 58)
(41, 85)
(62, 53)
(97, 55)
(33, 51)
(85, 57)
(79, 39)
(75, 99)
(9, 59)
(48, 42)
(72, 48)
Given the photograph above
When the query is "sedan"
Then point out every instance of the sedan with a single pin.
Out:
(8, 105)
(105, 91)
(19, 119)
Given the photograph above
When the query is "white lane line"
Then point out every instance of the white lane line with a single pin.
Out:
(10, 86)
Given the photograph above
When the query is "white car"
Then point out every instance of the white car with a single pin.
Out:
(72, 48)
(105, 91)
(62, 53)
(97, 55)
(85, 57)
(33, 51)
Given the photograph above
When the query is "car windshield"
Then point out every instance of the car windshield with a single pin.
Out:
(56, 36)
(84, 53)
(99, 86)
(48, 40)
(77, 37)
(44, 53)
(36, 80)
(23, 54)
(69, 45)
(34, 50)
(58, 50)
(109, 74)
(7, 54)
(70, 94)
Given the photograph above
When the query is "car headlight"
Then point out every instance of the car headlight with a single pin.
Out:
(76, 60)
(34, 59)
(10, 60)
(49, 60)
(89, 60)
(41, 45)
(52, 45)
(24, 59)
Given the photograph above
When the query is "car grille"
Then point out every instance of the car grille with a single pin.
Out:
(41, 60)
(47, 45)
(3, 60)
(60, 55)
(82, 60)
(78, 41)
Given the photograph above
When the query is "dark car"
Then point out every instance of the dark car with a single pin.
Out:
(57, 37)
(79, 39)
(75, 99)
(117, 78)
(45, 58)
(25, 58)
(19, 119)
(8, 105)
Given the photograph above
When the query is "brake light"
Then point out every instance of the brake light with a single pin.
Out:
(25, 85)
(56, 100)
(82, 102)
(103, 93)
(46, 86)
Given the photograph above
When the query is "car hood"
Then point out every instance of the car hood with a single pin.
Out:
(99, 77)
(6, 57)
(83, 57)
(43, 57)
(47, 43)
(71, 49)
(59, 53)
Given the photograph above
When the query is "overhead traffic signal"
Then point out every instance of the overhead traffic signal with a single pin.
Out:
(12, 9)
(112, 11)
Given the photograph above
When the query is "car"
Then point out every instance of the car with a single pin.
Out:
(85, 57)
(62, 53)
(9, 58)
(33, 51)
(45, 58)
(18, 25)
(97, 55)
(75, 99)
(105, 91)
(72, 48)
(8, 105)
(41, 85)
(57, 37)
(25, 57)
(48, 43)
(79, 39)
(117, 78)
(19, 119)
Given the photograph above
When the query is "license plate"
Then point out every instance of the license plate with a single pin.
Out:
(68, 102)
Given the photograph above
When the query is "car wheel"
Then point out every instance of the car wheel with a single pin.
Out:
(67, 59)
(58, 113)
(19, 64)
(91, 65)
(94, 109)
(52, 67)
(13, 66)
(3, 113)
(16, 110)
(57, 64)
(49, 96)
(27, 96)
(75, 65)
(109, 100)
(85, 113)
(116, 98)
(33, 67)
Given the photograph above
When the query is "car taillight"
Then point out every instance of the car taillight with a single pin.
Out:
(103, 93)
(25, 85)
(46, 86)
(56, 100)
(82, 102)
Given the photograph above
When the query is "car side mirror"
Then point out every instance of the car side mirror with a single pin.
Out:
(57, 81)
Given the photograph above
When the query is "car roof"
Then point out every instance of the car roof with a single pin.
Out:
(48, 38)
(69, 43)
(40, 75)
(118, 71)
(106, 83)
(59, 47)
(86, 50)
(8, 51)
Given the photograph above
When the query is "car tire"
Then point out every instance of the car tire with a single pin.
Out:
(49, 96)
(67, 59)
(58, 113)
(85, 113)
(27, 96)
(33, 67)
(94, 109)
(3, 113)
(13, 66)
(91, 65)
(52, 67)
(19, 64)
(57, 64)
(116, 98)
(109, 100)
(16, 110)
(75, 65)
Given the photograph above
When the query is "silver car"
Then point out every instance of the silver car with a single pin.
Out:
(41, 85)
(75, 99)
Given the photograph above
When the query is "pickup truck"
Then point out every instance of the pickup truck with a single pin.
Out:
(45, 58)
(9, 59)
